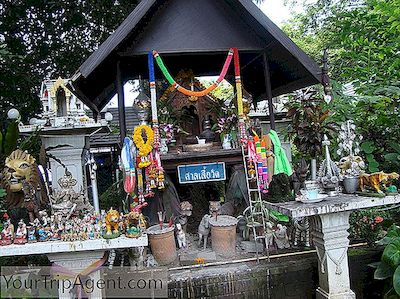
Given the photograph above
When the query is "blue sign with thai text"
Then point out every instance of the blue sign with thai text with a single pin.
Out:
(200, 173)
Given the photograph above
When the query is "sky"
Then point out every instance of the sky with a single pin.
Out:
(274, 9)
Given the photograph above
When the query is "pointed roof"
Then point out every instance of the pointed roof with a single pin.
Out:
(201, 32)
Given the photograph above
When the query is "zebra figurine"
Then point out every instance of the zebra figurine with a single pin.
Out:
(301, 231)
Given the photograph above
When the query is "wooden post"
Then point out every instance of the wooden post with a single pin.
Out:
(121, 103)
(268, 92)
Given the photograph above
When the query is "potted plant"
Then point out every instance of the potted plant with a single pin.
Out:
(351, 165)
(309, 125)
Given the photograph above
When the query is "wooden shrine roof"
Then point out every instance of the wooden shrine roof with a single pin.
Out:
(197, 35)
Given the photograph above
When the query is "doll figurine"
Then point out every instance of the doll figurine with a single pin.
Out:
(20, 235)
(7, 234)
(32, 234)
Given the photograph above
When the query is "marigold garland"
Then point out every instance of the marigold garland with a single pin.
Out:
(144, 147)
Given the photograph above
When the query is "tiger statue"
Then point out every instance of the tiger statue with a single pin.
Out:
(112, 220)
(374, 180)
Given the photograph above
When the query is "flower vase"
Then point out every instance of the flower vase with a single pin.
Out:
(226, 144)
(163, 146)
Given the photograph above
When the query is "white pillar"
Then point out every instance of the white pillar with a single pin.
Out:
(331, 241)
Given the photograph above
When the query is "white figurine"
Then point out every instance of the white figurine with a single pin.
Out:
(204, 230)
(180, 235)
(281, 237)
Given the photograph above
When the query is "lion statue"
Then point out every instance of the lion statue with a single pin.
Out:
(351, 165)
(19, 175)
(374, 180)
(112, 220)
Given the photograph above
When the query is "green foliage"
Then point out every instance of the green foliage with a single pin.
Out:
(113, 196)
(49, 38)
(363, 50)
(309, 123)
(369, 224)
(389, 267)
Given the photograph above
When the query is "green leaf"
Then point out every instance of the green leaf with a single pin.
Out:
(3, 193)
(391, 254)
(396, 280)
(392, 156)
(395, 146)
(393, 231)
(384, 241)
(383, 271)
(368, 147)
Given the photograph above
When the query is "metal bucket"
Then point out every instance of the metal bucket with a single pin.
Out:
(351, 184)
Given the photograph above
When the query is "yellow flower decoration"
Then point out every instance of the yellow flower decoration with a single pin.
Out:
(144, 147)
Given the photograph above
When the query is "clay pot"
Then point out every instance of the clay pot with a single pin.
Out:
(223, 235)
(162, 243)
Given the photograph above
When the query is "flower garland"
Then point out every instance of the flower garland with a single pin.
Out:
(144, 147)
(191, 93)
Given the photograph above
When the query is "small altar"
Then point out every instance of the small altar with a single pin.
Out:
(330, 222)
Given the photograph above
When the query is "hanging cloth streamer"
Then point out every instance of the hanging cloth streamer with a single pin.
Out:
(281, 163)
(153, 92)
(239, 96)
(188, 92)
(238, 81)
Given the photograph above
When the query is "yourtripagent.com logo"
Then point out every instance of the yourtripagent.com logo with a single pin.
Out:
(55, 282)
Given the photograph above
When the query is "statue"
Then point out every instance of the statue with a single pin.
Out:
(20, 235)
(112, 221)
(281, 237)
(299, 177)
(21, 170)
(181, 236)
(351, 165)
(134, 221)
(375, 180)
(66, 201)
(32, 234)
(204, 230)
(302, 231)
(329, 174)
(7, 234)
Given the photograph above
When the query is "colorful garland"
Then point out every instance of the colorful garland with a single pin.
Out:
(144, 147)
(188, 92)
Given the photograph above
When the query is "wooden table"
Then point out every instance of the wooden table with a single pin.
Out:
(330, 222)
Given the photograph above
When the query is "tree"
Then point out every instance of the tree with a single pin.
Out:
(363, 39)
(50, 38)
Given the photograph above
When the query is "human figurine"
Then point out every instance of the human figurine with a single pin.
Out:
(181, 237)
(32, 234)
(281, 237)
(43, 234)
(7, 234)
(20, 235)
(204, 230)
